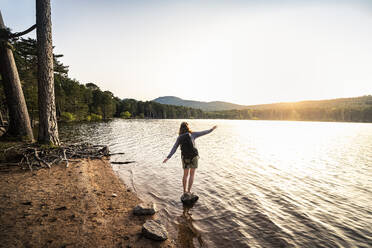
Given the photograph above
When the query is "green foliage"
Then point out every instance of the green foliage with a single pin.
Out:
(67, 116)
(5, 144)
(94, 117)
(48, 146)
(125, 115)
(154, 110)
(81, 101)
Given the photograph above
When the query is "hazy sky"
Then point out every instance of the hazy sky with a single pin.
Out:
(245, 52)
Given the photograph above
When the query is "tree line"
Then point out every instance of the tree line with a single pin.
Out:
(79, 102)
(349, 112)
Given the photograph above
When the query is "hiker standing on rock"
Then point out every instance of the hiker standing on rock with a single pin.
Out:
(189, 153)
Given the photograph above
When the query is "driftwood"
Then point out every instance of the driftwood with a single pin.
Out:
(36, 157)
(126, 162)
(117, 153)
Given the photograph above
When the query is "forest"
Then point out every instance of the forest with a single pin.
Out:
(76, 101)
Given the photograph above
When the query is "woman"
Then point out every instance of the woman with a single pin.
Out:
(189, 153)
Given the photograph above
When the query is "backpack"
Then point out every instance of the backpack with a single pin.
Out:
(188, 149)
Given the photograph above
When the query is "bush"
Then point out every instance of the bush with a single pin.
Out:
(94, 117)
(67, 116)
(125, 115)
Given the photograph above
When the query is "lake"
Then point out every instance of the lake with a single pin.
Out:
(260, 183)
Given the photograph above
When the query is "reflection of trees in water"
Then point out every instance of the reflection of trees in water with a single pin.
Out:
(186, 230)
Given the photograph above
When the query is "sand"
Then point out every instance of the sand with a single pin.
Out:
(84, 205)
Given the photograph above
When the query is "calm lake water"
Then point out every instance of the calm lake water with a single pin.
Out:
(260, 183)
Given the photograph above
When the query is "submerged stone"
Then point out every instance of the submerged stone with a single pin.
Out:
(189, 199)
(153, 229)
(145, 209)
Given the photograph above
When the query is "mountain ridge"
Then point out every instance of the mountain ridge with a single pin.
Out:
(205, 106)
(222, 106)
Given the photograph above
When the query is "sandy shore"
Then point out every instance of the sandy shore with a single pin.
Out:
(84, 205)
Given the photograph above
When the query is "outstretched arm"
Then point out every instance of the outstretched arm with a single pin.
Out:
(198, 134)
(174, 149)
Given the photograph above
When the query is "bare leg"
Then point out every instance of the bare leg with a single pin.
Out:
(191, 178)
(184, 179)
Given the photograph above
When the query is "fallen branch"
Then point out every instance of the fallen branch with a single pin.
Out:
(28, 162)
(126, 162)
(35, 157)
(65, 158)
(39, 159)
(117, 153)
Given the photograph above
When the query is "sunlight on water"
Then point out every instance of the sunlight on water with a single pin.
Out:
(260, 183)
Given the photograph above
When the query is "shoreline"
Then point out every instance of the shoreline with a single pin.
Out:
(84, 205)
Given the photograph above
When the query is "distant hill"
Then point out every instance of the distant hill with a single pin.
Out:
(205, 106)
(221, 106)
(362, 101)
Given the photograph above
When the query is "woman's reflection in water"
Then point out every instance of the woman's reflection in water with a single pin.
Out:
(186, 230)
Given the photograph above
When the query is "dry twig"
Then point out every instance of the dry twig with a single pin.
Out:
(35, 157)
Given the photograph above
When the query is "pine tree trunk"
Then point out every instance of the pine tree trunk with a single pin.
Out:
(48, 128)
(19, 120)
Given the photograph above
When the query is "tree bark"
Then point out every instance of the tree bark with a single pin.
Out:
(48, 128)
(1, 119)
(19, 120)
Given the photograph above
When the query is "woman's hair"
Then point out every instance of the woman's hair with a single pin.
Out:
(184, 128)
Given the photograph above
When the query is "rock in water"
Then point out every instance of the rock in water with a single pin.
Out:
(144, 209)
(153, 229)
(189, 199)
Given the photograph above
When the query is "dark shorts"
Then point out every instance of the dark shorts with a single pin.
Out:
(190, 163)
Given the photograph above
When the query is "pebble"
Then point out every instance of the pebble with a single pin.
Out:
(144, 209)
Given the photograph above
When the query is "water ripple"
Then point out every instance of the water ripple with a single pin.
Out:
(260, 183)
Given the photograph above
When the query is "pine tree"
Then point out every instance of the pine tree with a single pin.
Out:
(19, 120)
(48, 128)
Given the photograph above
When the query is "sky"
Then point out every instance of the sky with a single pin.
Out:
(245, 52)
